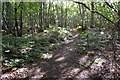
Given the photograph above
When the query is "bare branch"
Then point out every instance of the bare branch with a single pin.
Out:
(82, 4)
(103, 16)
(95, 12)
(110, 6)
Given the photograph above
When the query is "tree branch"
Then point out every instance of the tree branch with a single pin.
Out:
(110, 6)
(103, 16)
(82, 4)
(95, 12)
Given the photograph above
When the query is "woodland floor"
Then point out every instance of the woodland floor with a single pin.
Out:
(68, 64)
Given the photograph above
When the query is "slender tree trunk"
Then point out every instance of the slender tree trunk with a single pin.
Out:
(31, 21)
(41, 17)
(83, 14)
(80, 14)
(44, 15)
(92, 15)
(21, 20)
(61, 21)
(57, 16)
(16, 23)
(3, 18)
(7, 21)
(66, 15)
(48, 22)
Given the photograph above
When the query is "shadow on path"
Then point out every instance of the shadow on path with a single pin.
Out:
(63, 65)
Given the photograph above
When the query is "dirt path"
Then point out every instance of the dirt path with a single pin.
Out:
(67, 63)
(63, 65)
(63, 59)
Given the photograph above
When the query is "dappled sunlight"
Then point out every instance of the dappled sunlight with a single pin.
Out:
(66, 51)
(83, 75)
(72, 72)
(34, 64)
(69, 41)
(61, 40)
(20, 73)
(60, 59)
(26, 50)
(69, 72)
(99, 62)
(37, 73)
(47, 56)
(62, 66)
(75, 35)
(37, 77)
(83, 59)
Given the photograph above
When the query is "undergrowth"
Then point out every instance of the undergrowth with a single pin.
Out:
(89, 41)
(17, 51)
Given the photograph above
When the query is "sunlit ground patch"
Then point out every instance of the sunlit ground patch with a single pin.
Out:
(60, 59)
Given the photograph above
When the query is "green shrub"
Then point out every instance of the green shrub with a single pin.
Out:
(31, 46)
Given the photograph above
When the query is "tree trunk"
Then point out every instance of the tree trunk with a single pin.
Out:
(66, 16)
(21, 20)
(16, 23)
(92, 15)
(6, 20)
(48, 22)
(83, 14)
(61, 20)
(41, 17)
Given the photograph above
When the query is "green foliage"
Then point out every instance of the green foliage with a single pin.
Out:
(79, 28)
(91, 40)
(41, 14)
(32, 46)
(13, 62)
(58, 33)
